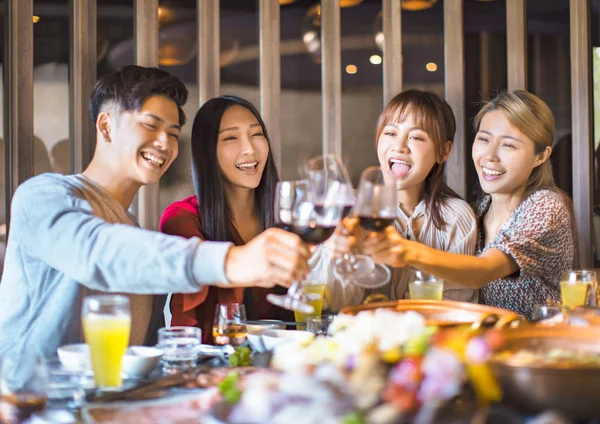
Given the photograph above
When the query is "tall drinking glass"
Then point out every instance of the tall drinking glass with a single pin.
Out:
(106, 326)
(578, 288)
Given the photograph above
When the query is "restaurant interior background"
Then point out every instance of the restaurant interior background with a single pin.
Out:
(352, 86)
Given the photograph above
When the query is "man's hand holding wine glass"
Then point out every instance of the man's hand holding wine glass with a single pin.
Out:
(273, 257)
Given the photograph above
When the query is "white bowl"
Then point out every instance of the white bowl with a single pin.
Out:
(268, 339)
(139, 361)
(266, 324)
(75, 357)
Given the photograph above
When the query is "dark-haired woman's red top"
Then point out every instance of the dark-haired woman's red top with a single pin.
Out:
(198, 309)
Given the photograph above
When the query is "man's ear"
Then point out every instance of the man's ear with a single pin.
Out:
(103, 125)
(446, 151)
(542, 157)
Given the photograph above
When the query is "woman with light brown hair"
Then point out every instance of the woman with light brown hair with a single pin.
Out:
(526, 236)
(414, 138)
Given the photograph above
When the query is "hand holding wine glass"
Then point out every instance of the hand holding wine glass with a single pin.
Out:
(273, 257)
(300, 209)
(311, 208)
(375, 210)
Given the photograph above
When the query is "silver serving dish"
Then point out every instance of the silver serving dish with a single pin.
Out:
(571, 388)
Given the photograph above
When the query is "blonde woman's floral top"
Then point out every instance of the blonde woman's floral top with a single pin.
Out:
(539, 238)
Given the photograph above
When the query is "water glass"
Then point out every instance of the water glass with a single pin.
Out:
(578, 288)
(543, 312)
(180, 347)
(229, 326)
(426, 286)
(319, 325)
(64, 388)
(21, 388)
(106, 325)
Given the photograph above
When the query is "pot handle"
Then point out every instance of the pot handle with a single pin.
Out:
(511, 321)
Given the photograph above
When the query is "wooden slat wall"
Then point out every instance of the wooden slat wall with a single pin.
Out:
(454, 78)
(146, 54)
(18, 96)
(331, 76)
(581, 105)
(392, 49)
(516, 43)
(270, 73)
(82, 71)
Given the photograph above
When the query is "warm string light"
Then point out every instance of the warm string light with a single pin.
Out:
(431, 67)
(375, 59)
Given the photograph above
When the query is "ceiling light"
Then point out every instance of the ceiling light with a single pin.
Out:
(375, 59)
(431, 67)
(414, 5)
(36, 19)
(284, 2)
(311, 33)
(351, 69)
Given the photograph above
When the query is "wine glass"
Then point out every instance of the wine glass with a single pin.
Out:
(312, 211)
(375, 209)
(22, 388)
(106, 326)
(230, 324)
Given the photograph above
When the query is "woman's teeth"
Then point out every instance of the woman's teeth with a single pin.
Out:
(492, 172)
(154, 159)
(247, 165)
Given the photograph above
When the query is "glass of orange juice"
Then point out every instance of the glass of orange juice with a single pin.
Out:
(578, 288)
(314, 291)
(106, 325)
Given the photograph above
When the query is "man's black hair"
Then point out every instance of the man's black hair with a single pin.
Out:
(130, 87)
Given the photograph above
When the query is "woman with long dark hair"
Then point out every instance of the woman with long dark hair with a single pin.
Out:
(234, 177)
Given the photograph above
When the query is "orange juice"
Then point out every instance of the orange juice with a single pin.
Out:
(574, 294)
(108, 337)
(317, 304)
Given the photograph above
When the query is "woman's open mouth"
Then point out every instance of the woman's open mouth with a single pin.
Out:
(399, 167)
(491, 174)
(248, 168)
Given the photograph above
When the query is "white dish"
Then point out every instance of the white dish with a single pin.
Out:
(268, 339)
(138, 361)
(75, 357)
(266, 324)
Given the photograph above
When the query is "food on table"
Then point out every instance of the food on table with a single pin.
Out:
(561, 357)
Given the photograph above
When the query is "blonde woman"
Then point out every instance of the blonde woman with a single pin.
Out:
(526, 235)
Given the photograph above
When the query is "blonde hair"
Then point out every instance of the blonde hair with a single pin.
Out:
(531, 116)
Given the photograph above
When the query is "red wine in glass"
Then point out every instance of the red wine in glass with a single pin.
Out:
(310, 234)
(375, 223)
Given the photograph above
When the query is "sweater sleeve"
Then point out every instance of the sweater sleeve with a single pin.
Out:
(60, 228)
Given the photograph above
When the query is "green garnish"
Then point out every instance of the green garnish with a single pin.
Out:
(242, 357)
(229, 388)
(354, 418)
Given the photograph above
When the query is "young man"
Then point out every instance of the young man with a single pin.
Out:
(70, 235)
